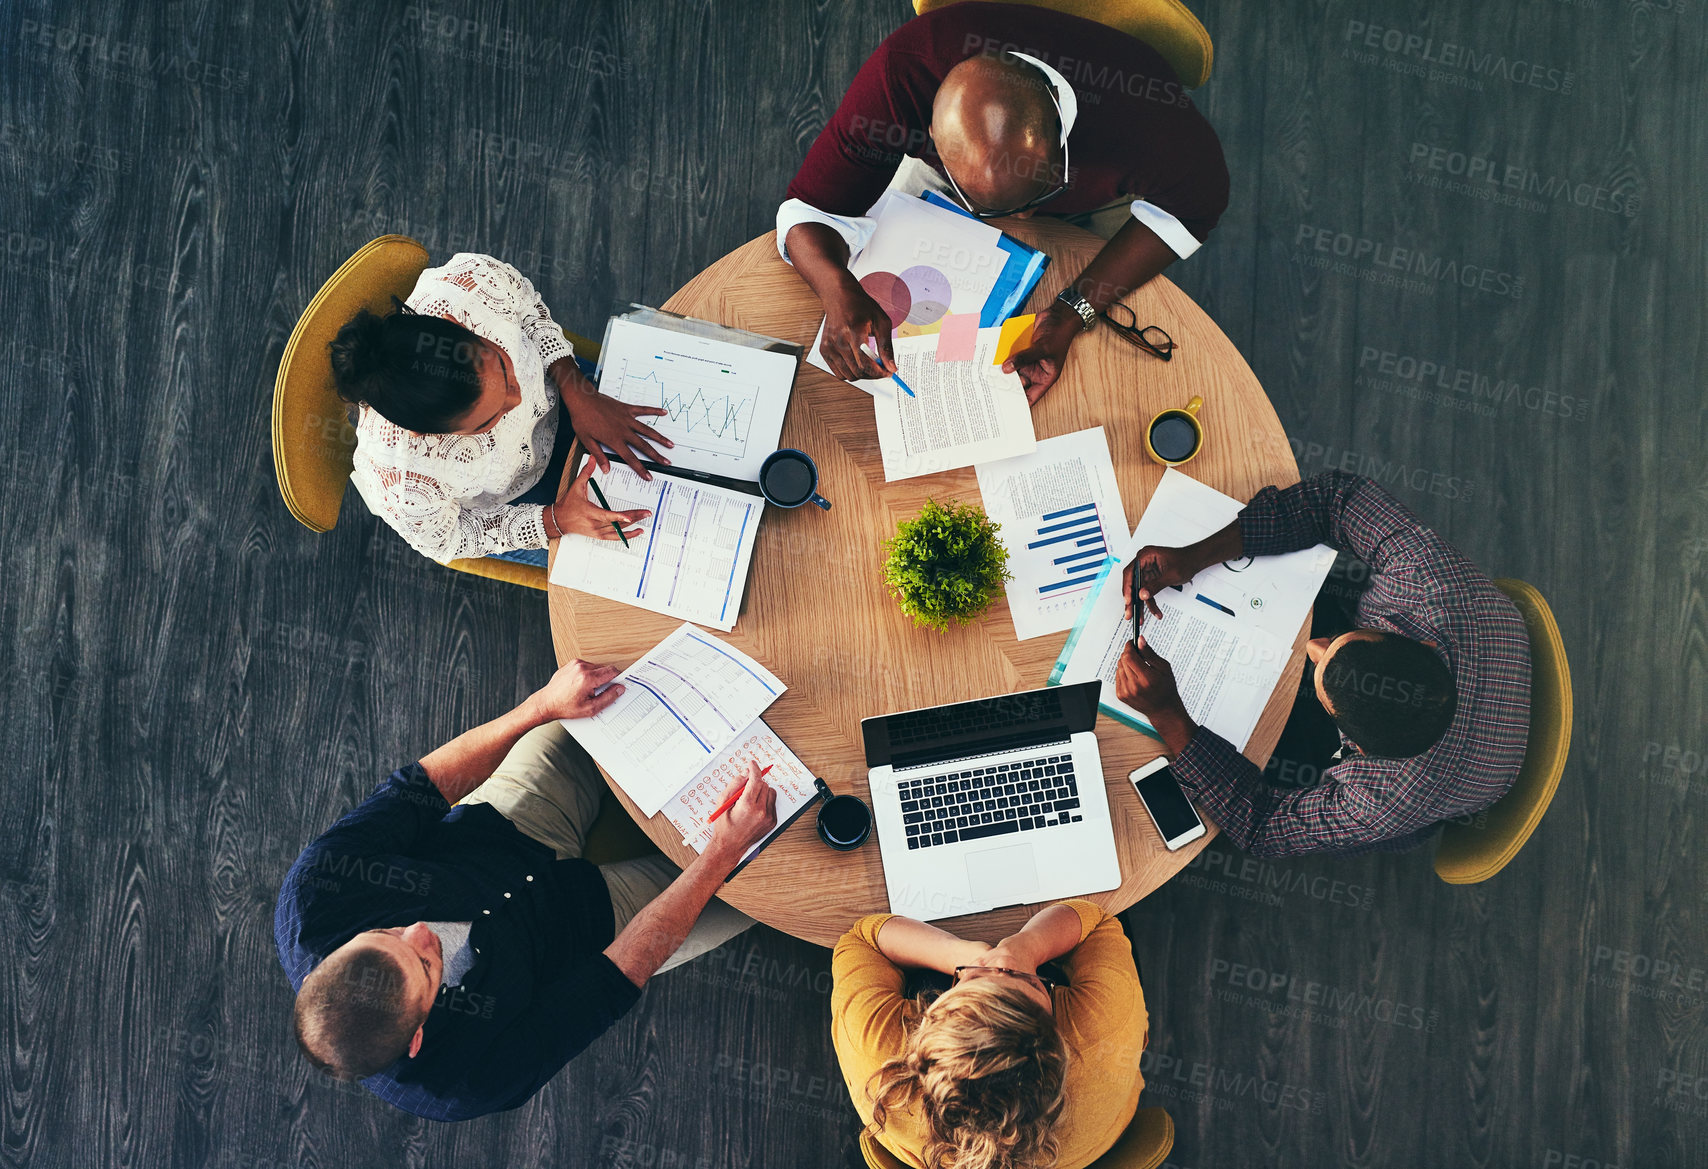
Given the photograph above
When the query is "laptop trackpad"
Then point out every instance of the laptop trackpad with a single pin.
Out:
(1003, 876)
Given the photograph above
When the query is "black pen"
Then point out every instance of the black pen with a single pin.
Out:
(606, 504)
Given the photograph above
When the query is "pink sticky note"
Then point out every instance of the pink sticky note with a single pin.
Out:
(957, 337)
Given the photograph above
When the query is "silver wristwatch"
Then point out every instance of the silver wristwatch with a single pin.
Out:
(1079, 305)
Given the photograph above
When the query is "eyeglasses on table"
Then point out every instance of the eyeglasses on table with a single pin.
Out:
(1151, 338)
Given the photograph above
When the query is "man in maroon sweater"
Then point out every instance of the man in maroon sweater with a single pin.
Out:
(1007, 109)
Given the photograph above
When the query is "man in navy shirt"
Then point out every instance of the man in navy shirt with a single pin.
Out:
(454, 958)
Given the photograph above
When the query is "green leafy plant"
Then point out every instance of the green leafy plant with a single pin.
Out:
(945, 565)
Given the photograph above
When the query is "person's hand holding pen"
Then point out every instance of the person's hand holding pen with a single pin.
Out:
(575, 512)
(750, 819)
(895, 377)
(1145, 681)
(854, 326)
(1161, 568)
(1152, 569)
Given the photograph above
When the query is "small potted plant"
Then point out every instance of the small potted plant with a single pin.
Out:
(946, 565)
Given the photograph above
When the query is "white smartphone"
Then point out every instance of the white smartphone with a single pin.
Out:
(1170, 810)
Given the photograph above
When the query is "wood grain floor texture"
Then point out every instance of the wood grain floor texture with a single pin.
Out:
(196, 685)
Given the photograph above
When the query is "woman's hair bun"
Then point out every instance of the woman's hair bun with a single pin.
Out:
(415, 369)
(358, 352)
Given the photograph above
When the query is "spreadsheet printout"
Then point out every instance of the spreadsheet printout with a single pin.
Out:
(684, 702)
(690, 560)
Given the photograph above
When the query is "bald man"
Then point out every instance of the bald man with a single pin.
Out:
(1006, 109)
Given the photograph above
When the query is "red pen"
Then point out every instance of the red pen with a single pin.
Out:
(734, 796)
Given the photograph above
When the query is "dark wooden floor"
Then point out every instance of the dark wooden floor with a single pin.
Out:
(196, 685)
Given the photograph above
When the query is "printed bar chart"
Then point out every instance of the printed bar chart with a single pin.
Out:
(1075, 537)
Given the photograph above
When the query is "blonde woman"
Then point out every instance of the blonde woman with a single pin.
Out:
(1010, 1066)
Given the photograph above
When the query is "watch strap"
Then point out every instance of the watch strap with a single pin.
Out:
(1080, 305)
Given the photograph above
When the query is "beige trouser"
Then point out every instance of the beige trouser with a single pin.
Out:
(549, 788)
(914, 177)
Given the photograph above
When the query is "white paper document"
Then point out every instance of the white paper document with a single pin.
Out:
(685, 701)
(724, 403)
(1061, 516)
(690, 808)
(962, 412)
(690, 560)
(921, 264)
(1228, 633)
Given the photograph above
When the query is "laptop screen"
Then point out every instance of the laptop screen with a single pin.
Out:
(1003, 722)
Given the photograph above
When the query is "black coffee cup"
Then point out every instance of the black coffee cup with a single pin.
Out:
(844, 822)
(788, 478)
(1175, 435)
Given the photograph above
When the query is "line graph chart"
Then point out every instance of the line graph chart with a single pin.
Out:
(702, 411)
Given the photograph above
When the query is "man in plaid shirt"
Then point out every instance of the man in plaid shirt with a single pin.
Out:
(1430, 692)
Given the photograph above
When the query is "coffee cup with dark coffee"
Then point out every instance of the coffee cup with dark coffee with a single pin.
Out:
(844, 822)
(788, 478)
(1175, 435)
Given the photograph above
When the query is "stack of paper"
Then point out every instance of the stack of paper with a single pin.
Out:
(928, 264)
(690, 560)
(685, 702)
(1228, 633)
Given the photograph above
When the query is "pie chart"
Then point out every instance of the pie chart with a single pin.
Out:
(890, 292)
(931, 293)
(918, 296)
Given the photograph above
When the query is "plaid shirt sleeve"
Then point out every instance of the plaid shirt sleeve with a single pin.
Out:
(1425, 589)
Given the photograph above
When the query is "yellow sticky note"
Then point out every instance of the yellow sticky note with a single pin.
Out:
(1016, 334)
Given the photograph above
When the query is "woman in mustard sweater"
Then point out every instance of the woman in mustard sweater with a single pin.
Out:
(1006, 1068)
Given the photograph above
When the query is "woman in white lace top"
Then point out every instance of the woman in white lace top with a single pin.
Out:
(463, 392)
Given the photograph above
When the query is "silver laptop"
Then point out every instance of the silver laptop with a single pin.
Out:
(990, 803)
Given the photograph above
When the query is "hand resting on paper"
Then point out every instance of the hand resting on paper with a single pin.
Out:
(852, 320)
(573, 691)
(1041, 362)
(576, 512)
(1145, 682)
(602, 421)
(748, 822)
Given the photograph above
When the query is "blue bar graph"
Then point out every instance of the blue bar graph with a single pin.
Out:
(1080, 531)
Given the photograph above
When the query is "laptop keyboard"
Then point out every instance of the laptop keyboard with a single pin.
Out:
(980, 802)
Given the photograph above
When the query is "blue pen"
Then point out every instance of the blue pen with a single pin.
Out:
(893, 377)
(1215, 605)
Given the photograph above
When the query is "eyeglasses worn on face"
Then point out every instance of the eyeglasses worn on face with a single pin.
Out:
(1150, 338)
(1031, 203)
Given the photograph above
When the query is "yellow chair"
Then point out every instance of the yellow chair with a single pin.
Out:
(313, 441)
(1144, 1145)
(1476, 851)
(1164, 25)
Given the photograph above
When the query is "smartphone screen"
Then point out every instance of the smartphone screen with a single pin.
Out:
(1169, 807)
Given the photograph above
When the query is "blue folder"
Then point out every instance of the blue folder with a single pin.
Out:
(1019, 276)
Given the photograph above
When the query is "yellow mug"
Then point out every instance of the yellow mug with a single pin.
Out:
(1178, 424)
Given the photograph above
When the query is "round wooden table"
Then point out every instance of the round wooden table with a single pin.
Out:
(818, 615)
